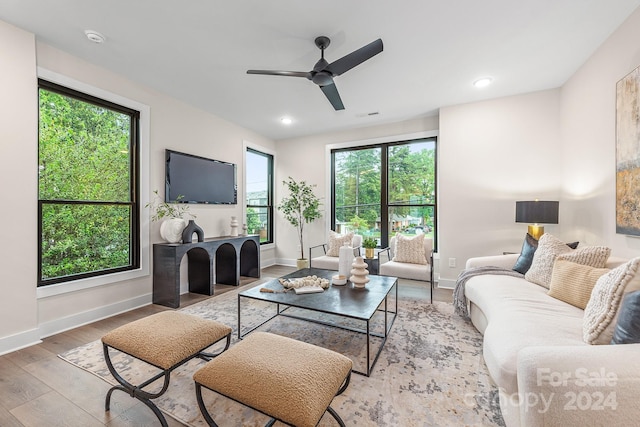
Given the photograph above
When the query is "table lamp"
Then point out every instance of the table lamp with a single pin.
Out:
(535, 213)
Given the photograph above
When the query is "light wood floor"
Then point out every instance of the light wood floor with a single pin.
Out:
(39, 389)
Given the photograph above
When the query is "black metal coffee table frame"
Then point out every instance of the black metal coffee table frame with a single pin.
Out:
(343, 301)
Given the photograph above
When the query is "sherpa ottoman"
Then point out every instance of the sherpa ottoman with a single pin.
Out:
(288, 380)
(165, 340)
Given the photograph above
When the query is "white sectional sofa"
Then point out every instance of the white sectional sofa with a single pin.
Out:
(534, 350)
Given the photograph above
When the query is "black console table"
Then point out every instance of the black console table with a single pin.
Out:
(216, 260)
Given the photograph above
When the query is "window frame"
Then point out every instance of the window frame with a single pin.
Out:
(385, 144)
(261, 151)
(133, 203)
(144, 249)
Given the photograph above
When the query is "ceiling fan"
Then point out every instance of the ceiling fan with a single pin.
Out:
(323, 72)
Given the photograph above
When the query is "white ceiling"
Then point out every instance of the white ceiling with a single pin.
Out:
(199, 50)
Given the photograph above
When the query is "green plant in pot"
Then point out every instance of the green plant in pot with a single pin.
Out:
(369, 244)
(172, 217)
(301, 206)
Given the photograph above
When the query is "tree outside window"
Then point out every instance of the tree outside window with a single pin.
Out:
(385, 189)
(88, 212)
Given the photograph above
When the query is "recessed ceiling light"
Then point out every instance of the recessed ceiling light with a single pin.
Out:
(95, 36)
(483, 82)
(286, 120)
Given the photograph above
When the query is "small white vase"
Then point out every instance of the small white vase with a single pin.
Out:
(234, 226)
(171, 229)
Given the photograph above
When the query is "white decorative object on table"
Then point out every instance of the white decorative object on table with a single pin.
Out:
(171, 229)
(300, 282)
(234, 226)
(339, 280)
(244, 229)
(345, 259)
(359, 273)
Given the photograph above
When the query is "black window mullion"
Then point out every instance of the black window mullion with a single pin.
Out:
(384, 196)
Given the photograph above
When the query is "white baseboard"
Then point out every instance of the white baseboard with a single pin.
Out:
(267, 262)
(19, 341)
(56, 326)
(288, 262)
(446, 283)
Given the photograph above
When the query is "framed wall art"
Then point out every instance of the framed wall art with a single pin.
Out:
(628, 154)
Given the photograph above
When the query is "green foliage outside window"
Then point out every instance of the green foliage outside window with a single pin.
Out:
(410, 174)
(84, 185)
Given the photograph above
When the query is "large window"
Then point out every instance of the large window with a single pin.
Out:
(380, 190)
(259, 194)
(88, 207)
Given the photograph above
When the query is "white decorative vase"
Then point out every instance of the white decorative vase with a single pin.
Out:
(171, 229)
(345, 260)
(234, 226)
(359, 273)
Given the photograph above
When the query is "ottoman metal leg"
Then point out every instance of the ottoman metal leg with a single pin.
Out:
(137, 392)
(164, 340)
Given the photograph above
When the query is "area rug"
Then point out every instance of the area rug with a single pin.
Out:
(429, 373)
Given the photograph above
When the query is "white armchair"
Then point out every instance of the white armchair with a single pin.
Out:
(388, 266)
(329, 262)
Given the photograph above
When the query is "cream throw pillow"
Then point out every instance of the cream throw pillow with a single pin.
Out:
(336, 241)
(593, 256)
(572, 282)
(550, 248)
(601, 313)
(409, 249)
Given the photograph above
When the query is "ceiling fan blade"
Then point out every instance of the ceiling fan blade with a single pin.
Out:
(355, 58)
(281, 73)
(331, 92)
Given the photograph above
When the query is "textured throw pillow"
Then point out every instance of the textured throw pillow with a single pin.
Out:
(410, 249)
(550, 248)
(628, 326)
(593, 256)
(601, 312)
(526, 253)
(572, 282)
(336, 241)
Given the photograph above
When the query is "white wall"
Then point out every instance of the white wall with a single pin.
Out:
(18, 187)
(588, 115)
(492, 154)
(174, 125)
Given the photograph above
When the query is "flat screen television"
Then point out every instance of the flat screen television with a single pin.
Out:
(195, 179)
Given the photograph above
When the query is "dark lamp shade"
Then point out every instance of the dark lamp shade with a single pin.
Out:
(537, 212)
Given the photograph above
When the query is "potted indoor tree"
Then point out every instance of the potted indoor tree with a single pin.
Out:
(171, 215)
(300, 207)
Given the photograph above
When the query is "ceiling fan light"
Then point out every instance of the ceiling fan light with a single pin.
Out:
(286, 120)
(483, 82)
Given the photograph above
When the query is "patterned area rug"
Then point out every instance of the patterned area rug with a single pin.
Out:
(430, 372)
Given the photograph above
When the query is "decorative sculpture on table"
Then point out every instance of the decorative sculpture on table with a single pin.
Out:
(187, 233)
(359, 273)
(234, 226)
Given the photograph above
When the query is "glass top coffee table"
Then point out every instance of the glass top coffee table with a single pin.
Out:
(344, 301)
